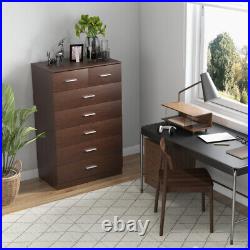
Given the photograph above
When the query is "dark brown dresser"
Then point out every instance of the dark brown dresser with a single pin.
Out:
(80, 109)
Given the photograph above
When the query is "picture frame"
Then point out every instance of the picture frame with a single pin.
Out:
(73, 49)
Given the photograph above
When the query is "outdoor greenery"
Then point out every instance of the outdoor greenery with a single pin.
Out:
(228, 67)
(15, 132)
(92, 26)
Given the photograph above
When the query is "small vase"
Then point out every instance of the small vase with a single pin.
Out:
(104, 50)
(93, 47)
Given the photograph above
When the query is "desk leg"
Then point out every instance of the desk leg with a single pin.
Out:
(233, 206)
(141, 162)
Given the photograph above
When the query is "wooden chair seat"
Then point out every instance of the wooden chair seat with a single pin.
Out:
(181, 180)
(189, 180)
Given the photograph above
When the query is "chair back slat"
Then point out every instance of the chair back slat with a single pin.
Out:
(166, 159)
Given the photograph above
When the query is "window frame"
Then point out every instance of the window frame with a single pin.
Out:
(222, 107)
(225, 102)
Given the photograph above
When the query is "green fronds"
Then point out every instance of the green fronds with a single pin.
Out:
(92, 26)
(15, 133)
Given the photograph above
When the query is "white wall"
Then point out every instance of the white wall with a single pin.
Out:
(162, 57)
(30, 29)
(163, 70)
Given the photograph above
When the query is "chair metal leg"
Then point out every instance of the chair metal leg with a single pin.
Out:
(203, 202)
(233, 206)
(141, 162)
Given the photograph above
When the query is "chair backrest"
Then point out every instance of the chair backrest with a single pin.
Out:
(166, 160)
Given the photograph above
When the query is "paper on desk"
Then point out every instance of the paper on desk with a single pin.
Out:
(217, 137)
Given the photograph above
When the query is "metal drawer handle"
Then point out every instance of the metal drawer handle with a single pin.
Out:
(88, 96)
(105, 75)
(88, 150)
(90, 132)
(91, 167)
(71, 80)
(89, 114)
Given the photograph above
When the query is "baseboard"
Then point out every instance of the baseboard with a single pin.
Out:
(228, 193)
(131, 150)
(33, 173)
(243, 209)
(29, 174)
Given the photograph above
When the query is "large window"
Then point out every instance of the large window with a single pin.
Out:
(224, 53)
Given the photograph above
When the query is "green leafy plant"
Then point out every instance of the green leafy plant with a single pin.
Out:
(244, 97)
(15, 132)
(92, 26)
(228, 67)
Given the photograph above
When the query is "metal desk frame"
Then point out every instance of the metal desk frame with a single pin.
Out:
(233, 222)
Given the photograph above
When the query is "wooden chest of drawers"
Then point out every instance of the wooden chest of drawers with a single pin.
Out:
(79, 108)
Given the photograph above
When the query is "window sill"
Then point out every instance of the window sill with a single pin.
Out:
(230, 123)
(226, 117)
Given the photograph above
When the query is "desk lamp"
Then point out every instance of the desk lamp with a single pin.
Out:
(209, 90)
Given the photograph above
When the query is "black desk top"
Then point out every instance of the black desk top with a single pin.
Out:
(215, 156)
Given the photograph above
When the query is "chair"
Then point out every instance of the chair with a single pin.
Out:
(181, 180)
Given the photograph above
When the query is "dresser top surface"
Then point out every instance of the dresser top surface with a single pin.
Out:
(67, 65)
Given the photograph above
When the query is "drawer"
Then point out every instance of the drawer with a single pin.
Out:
(89, 150)
(88, 132)
(87, 96)
(105, 74)
(68, 80)
(87, 168)
(89, 114)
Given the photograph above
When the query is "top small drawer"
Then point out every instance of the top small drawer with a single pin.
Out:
(68, 80)
(104, 74)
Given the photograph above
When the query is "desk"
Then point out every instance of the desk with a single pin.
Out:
(215, 156)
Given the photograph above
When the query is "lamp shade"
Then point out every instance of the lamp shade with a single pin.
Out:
(209, 90)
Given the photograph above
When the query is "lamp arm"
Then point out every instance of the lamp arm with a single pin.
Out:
(183, 90)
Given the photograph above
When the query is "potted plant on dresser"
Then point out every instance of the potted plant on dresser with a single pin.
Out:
(15, 135)
(92, 27)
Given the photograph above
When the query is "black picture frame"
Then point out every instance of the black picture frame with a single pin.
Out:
(71, 56)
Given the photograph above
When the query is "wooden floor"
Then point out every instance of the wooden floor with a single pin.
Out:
(36, 192)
